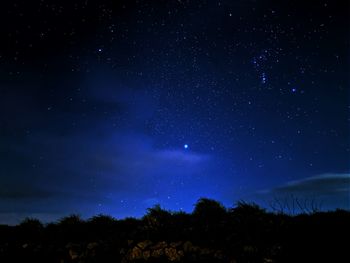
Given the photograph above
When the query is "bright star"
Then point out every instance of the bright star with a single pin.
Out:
(186, 146)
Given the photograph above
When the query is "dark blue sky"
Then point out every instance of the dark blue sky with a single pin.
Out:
(98, 100)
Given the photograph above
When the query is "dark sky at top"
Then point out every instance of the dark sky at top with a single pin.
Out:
(114, 106)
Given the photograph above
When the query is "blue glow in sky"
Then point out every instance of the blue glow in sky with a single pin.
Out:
(114, 107)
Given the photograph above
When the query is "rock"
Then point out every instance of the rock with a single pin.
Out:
(25, 245)
(91, 250)
(187, 246)
(72, 245)
(92, 245)
(219, 255)
(172, 254)
(250, 249)
(195, 249)
(175, 244)
(159, 245)
(122, 251)
(205, 251)
(73, 251)
(157, 253)
(73, 254)
(146, 254)
(38, 248)
(144, 244)
(135, 253)
(181, 253)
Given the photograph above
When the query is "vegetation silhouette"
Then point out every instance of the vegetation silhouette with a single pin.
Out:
(211, 233)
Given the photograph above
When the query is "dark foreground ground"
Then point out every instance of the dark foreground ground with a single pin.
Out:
(211, 233)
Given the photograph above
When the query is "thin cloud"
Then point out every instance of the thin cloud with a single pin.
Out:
(330, 191)
(24, 194)
(324, 184)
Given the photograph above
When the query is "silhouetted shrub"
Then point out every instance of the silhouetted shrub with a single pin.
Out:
(30, 229)
(209, 217)
(102, 226)
(209, 209)
(157, 222)
(212, 233)
(102, 220)
(31, 223)
(72, 220)
(72, 228)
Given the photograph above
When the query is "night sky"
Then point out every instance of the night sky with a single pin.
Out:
(114, 106)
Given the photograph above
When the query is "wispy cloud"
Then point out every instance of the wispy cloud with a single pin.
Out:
(24, 193)
(324, 184)
(96, 170)
(181, 156)
(331, 190)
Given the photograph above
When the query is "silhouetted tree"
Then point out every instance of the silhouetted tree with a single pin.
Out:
(245, 233)
(102, 220)
(250, 231)
(129, 228)
(209, 221)
(71, 220)
(101, 226)
(156, 221)
(247, 210)
(72, 227)
(181, 225)
(293, 205)
(209, 209)
(31, 223)
(31, 229)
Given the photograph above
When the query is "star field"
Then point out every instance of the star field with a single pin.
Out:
(112, 107)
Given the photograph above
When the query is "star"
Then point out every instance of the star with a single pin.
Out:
(186, 146)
